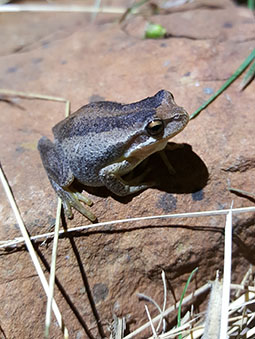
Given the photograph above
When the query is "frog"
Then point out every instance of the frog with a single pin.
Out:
(103, 141)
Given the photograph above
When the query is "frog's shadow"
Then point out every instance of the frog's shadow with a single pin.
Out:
(191, 173)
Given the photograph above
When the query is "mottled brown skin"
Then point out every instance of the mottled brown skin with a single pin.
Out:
(102, 141)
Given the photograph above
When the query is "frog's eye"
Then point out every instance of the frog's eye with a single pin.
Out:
(155, 127)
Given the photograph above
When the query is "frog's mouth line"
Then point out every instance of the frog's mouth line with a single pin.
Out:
(141, 151)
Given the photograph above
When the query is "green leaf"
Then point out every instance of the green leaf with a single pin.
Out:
(154, 31)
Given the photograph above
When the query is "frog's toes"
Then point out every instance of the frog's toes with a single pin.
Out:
(73, 200)
(67, 209)
(83, 198)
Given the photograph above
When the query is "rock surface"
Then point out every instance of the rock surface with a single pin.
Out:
(80, 61)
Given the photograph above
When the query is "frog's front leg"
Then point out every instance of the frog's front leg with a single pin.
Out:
(111, 178)
(61, 177)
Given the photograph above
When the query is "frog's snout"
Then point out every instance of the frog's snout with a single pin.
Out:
(182, 115)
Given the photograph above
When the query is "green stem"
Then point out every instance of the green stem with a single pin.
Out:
(251, 4)
(181, 299)
(240, 69)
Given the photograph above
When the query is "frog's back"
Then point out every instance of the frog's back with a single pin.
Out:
(103, 116)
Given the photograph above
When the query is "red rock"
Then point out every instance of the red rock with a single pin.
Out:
(79, 61)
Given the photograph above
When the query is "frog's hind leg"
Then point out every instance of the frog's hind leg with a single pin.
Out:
(54, 162)
(61, 177)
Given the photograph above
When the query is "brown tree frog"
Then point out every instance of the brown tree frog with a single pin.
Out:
(103, 141)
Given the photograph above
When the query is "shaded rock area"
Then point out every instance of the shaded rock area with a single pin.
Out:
(68, 56)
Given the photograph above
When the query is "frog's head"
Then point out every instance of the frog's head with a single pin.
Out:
(158, 119)
(168, 118)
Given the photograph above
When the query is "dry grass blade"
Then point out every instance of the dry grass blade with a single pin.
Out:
(226, 276)
(142, 296)
(59, 8)
(25, 95)
(52, 271)
(96, 9)
(244, 280)
(31, 249)
(30, 95)
(163, 275)
(151, 323)
(16, 241)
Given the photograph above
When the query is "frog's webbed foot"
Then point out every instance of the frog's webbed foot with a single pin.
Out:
(72, 199)
(75, 199)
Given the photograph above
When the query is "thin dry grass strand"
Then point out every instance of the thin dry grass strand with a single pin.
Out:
(97, 4)
(31, 249)
(192, 311)
(163, 276)
(52, 271)
(37, 96)
(243, 282)
(25, 95)
(113, 222)
(60, 8)
(242, 301)
(241, 287)
(169, 310)
(151, 323)
(226, 276)
(149, 299)
(193, 333)
(251, 333)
